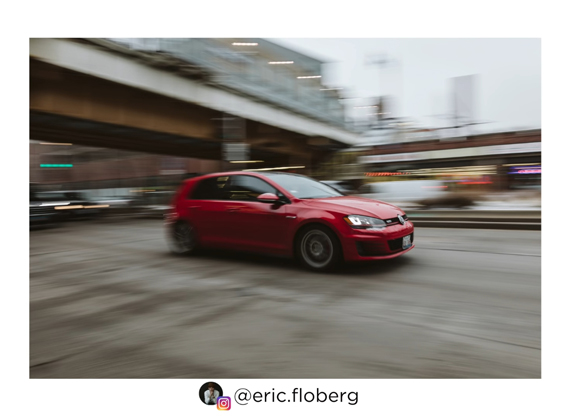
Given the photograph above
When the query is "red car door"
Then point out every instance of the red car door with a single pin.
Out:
(256, 225)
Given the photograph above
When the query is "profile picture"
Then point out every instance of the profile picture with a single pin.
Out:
(209, 392)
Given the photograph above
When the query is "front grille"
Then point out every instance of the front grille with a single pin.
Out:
(395, 220)
(396, 244)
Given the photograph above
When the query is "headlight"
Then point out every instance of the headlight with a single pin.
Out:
(365, 223)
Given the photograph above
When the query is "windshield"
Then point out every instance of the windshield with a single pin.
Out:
(302, 187)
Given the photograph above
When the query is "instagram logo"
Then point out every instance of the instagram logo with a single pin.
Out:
(224, 403)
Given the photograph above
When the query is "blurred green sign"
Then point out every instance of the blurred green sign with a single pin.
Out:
(55, 166)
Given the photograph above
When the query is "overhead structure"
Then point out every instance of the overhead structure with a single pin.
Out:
(171, 97)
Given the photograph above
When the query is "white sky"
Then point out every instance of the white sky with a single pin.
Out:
(507, 88)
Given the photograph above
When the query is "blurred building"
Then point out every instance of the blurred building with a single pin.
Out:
(121, 109)
(493, 161)
(69, 167)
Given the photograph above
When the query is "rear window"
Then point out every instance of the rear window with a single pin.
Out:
(216, 188)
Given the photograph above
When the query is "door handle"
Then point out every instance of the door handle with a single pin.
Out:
(233, 209)
(193, 208)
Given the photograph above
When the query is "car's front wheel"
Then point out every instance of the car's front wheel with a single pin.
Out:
(182, 238)
(318, 248)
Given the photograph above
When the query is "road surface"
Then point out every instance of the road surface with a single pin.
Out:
(107, 300)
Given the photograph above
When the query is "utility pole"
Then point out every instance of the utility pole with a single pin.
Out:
(384, 61)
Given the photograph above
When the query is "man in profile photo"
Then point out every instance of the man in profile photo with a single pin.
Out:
(211, 395)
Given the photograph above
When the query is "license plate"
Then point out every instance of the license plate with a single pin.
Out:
(407, 241)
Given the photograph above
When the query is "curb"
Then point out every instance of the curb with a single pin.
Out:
(482, 219)
(490, 225)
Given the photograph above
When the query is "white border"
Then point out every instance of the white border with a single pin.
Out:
(546, 20)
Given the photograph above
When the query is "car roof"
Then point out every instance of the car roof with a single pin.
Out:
(241, 172)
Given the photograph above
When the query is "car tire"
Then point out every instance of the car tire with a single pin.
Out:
(182, 238)
(317, 248)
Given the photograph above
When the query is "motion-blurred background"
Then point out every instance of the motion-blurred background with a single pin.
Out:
(123, 121)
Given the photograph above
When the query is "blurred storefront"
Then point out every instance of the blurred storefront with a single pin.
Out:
(485, 162)
(65, 166)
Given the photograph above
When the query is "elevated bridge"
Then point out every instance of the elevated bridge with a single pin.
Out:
(113, 94)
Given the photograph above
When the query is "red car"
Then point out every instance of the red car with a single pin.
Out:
(285, 214)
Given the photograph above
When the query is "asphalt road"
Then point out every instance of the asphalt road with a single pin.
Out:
(107, 300)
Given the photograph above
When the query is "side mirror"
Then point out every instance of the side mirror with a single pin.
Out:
(268, 198)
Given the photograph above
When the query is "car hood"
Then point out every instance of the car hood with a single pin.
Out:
(356, 205)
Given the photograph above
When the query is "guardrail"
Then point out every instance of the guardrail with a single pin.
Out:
(496, 219)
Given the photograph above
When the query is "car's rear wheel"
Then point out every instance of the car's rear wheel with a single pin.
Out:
(182, 238)
(318, 248)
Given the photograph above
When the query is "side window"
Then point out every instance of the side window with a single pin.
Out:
(211, 188)
(248, 188)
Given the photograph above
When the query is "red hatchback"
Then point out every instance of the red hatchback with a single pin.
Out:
(285, 214)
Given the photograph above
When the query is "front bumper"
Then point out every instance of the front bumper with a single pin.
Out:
(362, 245)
